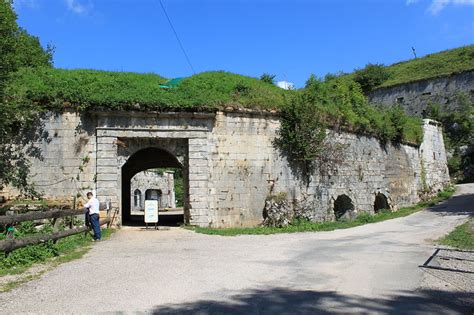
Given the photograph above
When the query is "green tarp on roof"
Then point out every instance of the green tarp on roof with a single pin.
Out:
(171, 83)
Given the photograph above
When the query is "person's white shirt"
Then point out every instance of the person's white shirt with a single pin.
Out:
(93, 205)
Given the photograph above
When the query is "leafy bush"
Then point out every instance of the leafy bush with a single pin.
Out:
(337, 102)
(371, 76)
(268, 78)
(20, 123)
(302, 134)
(458, 128)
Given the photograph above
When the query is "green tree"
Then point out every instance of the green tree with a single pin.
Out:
(458, 127)
(20, 124)
(371, 76)
(268, 78)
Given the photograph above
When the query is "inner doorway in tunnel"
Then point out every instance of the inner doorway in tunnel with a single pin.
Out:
(154, 174)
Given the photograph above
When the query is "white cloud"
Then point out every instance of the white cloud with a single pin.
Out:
(78, 8)
(436, 6)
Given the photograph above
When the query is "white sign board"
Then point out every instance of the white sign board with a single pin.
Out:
(151, 211)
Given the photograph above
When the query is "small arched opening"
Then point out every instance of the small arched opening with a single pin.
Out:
(380, 203)
(137, 199)
(343, 207)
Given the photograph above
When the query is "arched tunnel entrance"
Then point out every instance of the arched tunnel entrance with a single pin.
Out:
(343, 207)
(380, 203)
(155, 160)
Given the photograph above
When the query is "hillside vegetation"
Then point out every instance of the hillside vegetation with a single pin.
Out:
(432, 65)
(443, 63)
(94, 90)
(335, 102)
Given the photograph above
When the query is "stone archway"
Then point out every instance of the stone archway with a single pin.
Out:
(380, 203)
(143, 159)
(184, 136)
(343, 207)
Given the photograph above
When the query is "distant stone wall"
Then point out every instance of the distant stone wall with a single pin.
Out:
(147, 180)
(230, 165)
(416, 96)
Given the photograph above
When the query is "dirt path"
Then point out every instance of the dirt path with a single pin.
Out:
(372, 268)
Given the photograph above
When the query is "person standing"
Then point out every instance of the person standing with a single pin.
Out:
(93, 212)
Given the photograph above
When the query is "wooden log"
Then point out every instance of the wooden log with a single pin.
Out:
(38, 215)
(10, 245)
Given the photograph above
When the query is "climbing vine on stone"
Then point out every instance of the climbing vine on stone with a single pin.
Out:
(303, 132)
(301, 135)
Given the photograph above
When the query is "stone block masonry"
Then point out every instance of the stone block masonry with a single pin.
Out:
(230, 165)
(416, 96)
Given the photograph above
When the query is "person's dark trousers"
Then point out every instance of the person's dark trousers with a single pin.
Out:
(95, 225)
(87, 218)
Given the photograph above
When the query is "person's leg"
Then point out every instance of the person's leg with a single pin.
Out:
(96, 226)
(87, 219)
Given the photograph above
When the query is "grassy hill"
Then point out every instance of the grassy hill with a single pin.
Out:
(338, 102)
(433, 65)
(92, 89)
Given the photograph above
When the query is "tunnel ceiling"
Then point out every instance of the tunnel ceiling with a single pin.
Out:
(149, 158)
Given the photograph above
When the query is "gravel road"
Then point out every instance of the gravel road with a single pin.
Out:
(367, 269)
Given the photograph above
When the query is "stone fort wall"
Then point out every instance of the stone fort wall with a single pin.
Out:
(231, 164)
(146, 180)
(416, 96)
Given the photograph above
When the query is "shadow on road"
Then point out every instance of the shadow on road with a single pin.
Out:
(287, 301)
(457, 205)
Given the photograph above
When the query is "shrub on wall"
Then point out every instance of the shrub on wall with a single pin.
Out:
(371, 76)
(458, 129)
(338, 103)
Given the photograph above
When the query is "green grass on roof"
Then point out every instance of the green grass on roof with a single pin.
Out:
(91, 89)
(430, 66)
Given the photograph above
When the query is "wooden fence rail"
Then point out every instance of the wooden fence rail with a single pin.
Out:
(38, 215)
(9, 245)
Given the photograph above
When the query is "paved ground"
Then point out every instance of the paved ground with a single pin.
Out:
(368, 269)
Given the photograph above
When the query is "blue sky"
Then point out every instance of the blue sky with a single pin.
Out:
(291, 39)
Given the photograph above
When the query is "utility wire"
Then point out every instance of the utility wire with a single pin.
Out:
(177, 37)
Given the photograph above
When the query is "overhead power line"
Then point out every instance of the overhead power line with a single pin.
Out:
(177, 38)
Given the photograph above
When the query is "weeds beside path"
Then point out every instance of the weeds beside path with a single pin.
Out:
(308, 226)
(31, 262)
(462, 237)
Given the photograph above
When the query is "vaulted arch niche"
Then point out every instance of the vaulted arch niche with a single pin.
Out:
(380, 203)
(150, 158)
(343, 207)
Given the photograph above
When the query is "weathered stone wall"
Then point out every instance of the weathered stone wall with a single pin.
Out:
(146, 180)
(68, 165)
(433, 155)
(246, 168)
(416, 96)
(230, 164)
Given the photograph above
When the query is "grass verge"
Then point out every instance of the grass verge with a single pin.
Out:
(308, 226)
(462, 237)
(22, 265)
